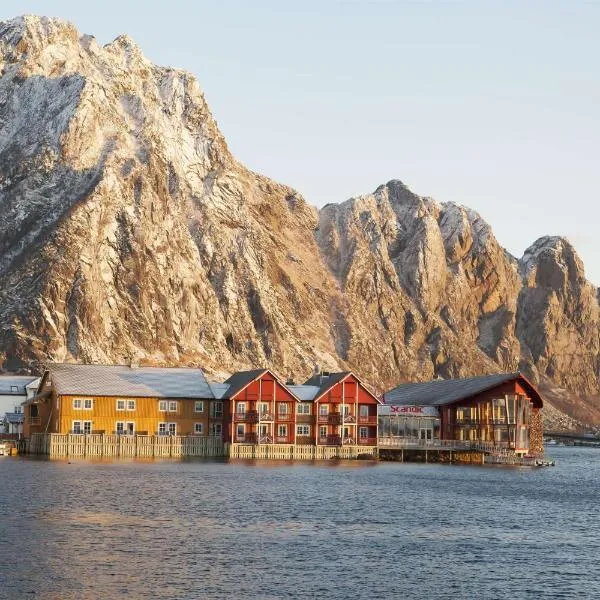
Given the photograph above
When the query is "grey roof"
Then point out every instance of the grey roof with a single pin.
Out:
(8, 383)
(324, 383)
(447, 391)
(122, 380)
(305, 393)
(14, 418)
(238, 381)
(219, 390)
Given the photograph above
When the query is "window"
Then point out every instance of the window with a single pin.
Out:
(283, 408)
(130, 404)
(304, 408)
(263, 408)
(216, 411)
(323, 409)
(303, 430)
(76, 426)
(363, 432)
(241, 430)
(346, 410)
(163, 406)
(282, 431)
(216, 429)
(172, 406)
(241, 408)
(199, 407)
(88, 403)
(77, 403)
(363, 410)
(323, 431)
(167, 429)
(120, 404)
(125, 428)
(199, 428)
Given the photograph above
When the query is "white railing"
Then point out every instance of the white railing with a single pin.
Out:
(391, 442)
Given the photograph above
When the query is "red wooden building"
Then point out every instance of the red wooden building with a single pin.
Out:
(329, 409)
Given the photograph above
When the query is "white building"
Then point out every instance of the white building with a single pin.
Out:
(14, 390)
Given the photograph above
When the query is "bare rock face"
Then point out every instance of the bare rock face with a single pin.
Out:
(127, 230)
(558, 319)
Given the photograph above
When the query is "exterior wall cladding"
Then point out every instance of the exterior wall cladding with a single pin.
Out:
(266, 412)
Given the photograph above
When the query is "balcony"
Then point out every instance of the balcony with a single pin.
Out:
(265, 416)
(367, 441)
(305, 440)
(305, 419)
(250, 416)
(249, 438)
(334, 419)
(333, 440)
(35, 421)
(285, 417)
(369, 419)
(282, 439)
(265, 439)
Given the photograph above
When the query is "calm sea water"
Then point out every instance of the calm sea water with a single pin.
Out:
(266, 530)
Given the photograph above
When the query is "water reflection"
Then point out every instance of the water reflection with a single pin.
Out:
(137, 529)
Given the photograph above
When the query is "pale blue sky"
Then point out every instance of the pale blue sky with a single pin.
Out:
(495, 105)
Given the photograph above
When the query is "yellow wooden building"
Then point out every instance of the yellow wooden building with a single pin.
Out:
(125, 400)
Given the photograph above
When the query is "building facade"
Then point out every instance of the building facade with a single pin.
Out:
(124, 400)
(500, 411)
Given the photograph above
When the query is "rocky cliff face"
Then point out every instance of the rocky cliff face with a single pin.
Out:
(127, 230)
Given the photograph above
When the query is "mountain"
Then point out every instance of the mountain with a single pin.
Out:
(129, 231)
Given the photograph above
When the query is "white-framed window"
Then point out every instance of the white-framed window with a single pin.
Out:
(363, 410)
(77, 403)
(199, 428)
(121, 404)
(240, 408)
(346, 410)
(167, 406)
(130, 404)
(304, 408)
(263, 408)
(323, 409)
(303, 430)
(125, 428)
(199, 407)
(88, 403)
(282, 430)
(283, 408)
(167, 429)
(363, 432)
(240, 430)
(216, 429)
(323, 431)
(82, 427)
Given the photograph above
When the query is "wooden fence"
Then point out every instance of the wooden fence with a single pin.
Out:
(155, 446)
(144, 446)
(304, 452)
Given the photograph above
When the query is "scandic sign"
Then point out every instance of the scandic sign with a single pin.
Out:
(409, 411)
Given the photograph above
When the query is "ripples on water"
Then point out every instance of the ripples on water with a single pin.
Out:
(264, 530)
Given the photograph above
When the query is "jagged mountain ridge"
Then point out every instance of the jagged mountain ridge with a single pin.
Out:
(128, 230)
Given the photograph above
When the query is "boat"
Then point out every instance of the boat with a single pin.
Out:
(545, 463)
(551, 442)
